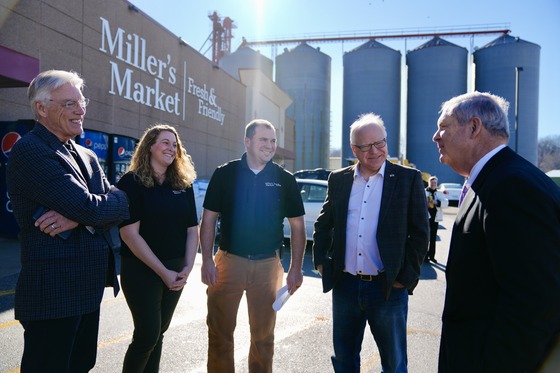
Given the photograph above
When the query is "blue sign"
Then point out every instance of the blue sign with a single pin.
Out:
(122, 148)
(98, 142)
(10, 133)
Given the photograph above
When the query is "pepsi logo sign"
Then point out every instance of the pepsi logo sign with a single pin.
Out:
(8, 142)
(122, 152)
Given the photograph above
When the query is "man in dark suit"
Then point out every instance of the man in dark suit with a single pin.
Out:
(502, 305)
(62, 278)
(369, 242)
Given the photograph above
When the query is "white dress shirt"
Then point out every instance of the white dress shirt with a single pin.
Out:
(362, 253)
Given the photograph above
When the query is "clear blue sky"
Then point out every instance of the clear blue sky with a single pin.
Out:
(536, 21)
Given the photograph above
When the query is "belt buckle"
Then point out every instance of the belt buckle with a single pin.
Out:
(368, 278)
(260, 256)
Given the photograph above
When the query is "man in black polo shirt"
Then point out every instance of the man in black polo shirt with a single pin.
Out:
(251, 195)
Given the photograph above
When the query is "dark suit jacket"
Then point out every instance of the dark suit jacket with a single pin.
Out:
(502, 305)
(60, 278)
(402, 233)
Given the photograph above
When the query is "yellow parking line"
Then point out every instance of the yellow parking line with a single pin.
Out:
(8, 324)
(113, 341)
(423, 331)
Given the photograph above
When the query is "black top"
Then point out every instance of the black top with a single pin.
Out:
(164, 215)
(252, 207)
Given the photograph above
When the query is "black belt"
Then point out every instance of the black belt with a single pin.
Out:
(369, 277)
(254, 256)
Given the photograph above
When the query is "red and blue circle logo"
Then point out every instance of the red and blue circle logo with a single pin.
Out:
(88, 143)
(8, 142)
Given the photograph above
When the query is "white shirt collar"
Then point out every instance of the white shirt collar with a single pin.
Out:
(380, 172)
(481, 163)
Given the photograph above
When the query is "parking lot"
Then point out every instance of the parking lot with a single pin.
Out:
(303, 332)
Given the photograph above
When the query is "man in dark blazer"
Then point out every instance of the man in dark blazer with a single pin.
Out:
(369, 242)
(502, 304)
(65, 258)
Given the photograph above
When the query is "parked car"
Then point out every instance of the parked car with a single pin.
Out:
(313, 193)
(200, 186)
(451, 191)
(199, 189)
(317, 174)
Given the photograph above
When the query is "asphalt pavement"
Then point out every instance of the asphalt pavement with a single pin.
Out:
(303, 331)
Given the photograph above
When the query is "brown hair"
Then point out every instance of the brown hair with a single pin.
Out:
(180, 174)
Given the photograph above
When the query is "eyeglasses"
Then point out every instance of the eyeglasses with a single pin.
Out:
(73, 105)
(367, 147)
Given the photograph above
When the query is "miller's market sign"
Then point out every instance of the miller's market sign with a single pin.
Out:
(130, 49)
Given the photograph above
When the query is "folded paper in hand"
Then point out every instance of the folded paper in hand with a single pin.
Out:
(282, 297)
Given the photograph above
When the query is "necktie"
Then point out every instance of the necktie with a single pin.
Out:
(70, 148)
(463, 192)
(111, 277)
(83, 170)
(77, 158)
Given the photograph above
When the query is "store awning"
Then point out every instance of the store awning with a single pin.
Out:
(16, 69)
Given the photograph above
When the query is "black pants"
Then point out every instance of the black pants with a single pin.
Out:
(60, 345)
(433, 237)
(152, 305)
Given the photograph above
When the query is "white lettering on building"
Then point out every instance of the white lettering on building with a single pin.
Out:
(131, 49)
(206, 101)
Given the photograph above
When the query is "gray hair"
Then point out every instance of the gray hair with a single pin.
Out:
(364, 120)
(43, 84)
(252, 126)
(492, 111)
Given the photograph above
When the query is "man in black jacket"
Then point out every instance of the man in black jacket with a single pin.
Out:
(370, 239)
(502, 305)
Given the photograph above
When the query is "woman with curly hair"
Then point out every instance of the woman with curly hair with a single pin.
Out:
(160, 240)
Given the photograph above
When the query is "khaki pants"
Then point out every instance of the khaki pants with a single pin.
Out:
(260, 279)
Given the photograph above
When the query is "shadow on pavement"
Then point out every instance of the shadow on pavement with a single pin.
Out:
(308, 267)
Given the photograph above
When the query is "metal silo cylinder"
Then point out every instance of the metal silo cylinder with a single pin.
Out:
(246, 58)
(509, 67)
(372, 83)
(437, 71)
(304, 73)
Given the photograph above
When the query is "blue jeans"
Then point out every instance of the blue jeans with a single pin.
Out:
(356, 301)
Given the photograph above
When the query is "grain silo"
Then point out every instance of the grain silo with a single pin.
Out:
(246, 58)
(372, 83)
(509, 67)
(304, 73)
(437, 71)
